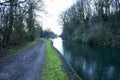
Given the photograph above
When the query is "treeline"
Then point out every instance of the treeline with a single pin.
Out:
(93, 21)
(18, 21)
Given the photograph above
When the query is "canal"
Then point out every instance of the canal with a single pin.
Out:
(91, 62)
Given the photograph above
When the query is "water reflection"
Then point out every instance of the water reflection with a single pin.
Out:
(57, 43)
(91, 62)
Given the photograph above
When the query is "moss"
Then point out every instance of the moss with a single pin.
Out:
(52, 69)
(32, 43)
(11, 51)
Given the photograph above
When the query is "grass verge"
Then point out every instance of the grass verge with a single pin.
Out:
(14, 49)
(52, 69)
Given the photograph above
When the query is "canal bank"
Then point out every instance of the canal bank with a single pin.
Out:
(66, 66)
(55, 67)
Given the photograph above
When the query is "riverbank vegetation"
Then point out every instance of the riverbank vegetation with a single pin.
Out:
(52, 69)
(93, 21)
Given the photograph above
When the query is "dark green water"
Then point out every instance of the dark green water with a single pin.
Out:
(91, 62)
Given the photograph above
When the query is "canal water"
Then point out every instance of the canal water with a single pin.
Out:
(91, 62)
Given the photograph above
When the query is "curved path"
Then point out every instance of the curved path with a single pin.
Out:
(25, 65)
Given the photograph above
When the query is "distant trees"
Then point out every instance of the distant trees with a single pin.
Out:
(17, 20)
(93, 21)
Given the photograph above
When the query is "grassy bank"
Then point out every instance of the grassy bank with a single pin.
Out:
(52, 69)
(13, 49)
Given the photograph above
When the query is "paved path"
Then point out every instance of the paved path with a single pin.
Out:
(25, 65)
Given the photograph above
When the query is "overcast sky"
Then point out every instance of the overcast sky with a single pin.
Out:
(54, 8)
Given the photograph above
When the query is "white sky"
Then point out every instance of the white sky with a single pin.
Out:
(54, 8)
